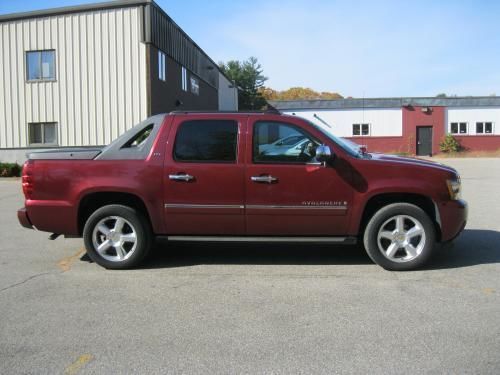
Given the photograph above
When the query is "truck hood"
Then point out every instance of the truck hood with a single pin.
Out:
(411, 161)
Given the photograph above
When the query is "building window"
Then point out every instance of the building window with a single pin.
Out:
(184, 79)
(162, 66)
(40, 65)
(360, 129)
(458, 128)
(484, 128)
(208, 141)
(42, 133)
(195, 86)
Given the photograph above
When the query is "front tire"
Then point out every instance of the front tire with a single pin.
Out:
(117, 237)
(400, 237)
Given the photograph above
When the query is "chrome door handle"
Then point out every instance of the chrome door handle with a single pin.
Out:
(265, 179)
(181, 177)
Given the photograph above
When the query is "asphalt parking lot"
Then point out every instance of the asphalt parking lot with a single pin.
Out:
(197, 308)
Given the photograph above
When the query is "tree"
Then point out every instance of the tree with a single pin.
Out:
(297, 93)
(248, 77)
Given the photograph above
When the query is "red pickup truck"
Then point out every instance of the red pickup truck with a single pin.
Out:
(240, 177)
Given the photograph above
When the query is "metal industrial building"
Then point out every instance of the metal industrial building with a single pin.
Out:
(406, 125)
(82, 75)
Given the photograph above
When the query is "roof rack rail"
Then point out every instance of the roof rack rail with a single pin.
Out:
(266, 111)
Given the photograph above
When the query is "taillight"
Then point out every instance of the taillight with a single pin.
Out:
(27, 179)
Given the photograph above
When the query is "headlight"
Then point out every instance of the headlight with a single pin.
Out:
(454, 188)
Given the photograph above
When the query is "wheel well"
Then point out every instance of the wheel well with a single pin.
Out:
(91, 202)
(377, 202)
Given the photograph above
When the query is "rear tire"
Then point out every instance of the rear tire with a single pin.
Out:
(400, 237)
(117, 237)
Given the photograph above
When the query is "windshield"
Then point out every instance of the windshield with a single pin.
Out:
(348, 146)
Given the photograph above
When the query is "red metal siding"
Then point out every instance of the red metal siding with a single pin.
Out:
(414, 116)
(479, 142)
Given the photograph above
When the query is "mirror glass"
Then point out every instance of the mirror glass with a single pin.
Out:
(323, 153)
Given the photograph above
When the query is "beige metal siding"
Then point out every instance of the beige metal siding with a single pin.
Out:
(100, 87)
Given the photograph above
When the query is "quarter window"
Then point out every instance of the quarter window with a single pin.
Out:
(162, 66)
(42, 133)
(484, 127)
(140, 138)
(458, 128)
(360, 129)
(206, 141)
(275, 142)
(40, 65)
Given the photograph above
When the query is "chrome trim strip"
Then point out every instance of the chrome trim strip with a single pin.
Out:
(256, 239)
(254, 206)
(304, 207)
(175, 205)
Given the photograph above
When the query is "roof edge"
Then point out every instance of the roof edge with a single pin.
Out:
(73, 9)
(394, 102)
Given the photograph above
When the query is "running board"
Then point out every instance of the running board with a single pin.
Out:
(336, 240)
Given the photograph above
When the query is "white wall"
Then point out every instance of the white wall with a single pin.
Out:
(100, 87)
(473, 115)
(385, 122)
(228, 95)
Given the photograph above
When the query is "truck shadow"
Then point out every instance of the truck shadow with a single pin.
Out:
(472, 248)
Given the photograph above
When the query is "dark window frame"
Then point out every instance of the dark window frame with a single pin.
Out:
(162, 65)
(484, 125)
(459, 127)
(43, 143)
(184, 79)
(236, 146)
(191, 86)
(40, 51)
(299, 130)
(361, 126)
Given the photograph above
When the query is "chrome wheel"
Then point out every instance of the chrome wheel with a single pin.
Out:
(114, 238)
(401, 238)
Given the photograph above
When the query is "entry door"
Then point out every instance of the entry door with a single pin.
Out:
(424, 140)
(204, 177)
(288, 192)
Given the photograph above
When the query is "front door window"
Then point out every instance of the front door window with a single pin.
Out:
(275, 142)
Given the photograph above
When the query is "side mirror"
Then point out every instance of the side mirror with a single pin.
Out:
(323, 154)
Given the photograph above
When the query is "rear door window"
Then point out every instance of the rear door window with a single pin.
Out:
(206, 141)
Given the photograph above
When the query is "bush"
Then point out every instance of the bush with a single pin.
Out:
(450, 144)
(10, 170)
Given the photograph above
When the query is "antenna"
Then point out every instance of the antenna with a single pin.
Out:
(363, 148)
(363, 108)
(321, 120)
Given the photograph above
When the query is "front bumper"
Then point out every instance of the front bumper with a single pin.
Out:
(24, 220)
(453, 215)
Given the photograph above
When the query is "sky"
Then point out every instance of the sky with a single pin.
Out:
(356, 48)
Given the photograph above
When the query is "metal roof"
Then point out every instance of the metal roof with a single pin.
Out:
(73, 9)
(469, 101)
